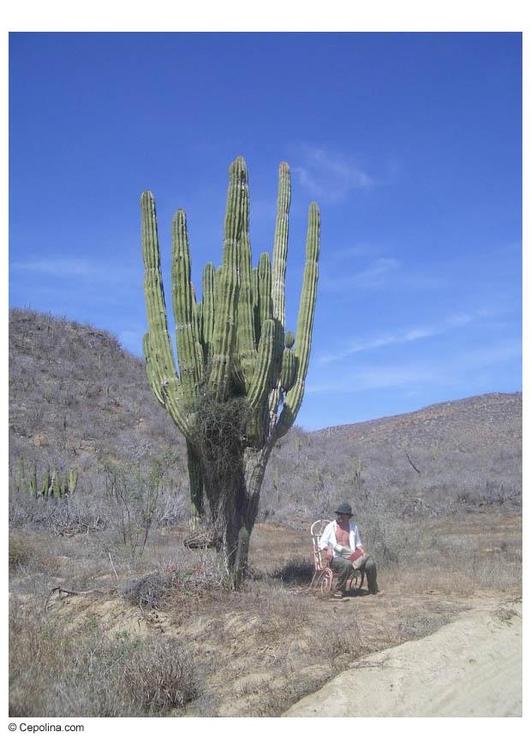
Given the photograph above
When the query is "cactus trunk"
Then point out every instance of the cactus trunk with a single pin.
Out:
(235, 492)
(241, 376)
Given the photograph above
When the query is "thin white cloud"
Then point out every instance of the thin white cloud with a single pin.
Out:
(358, 250)
(56, 267)
(463, 369)
(381, 272)
(374, 276)
(75, 268)
(330, 176)
(382, 376)
(401, 337)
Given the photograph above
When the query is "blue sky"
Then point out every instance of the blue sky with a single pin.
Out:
(411, 144)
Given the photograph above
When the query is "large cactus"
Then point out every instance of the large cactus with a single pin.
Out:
(241, 376)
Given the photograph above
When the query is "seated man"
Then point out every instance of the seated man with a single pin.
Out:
(344, 550)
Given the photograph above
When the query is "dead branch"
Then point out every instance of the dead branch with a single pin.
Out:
(412, 464)
(69, 592)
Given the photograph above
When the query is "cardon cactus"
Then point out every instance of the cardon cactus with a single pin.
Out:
(241, 376)
(53, 483)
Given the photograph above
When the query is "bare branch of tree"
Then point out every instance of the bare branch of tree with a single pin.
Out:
(412, 464)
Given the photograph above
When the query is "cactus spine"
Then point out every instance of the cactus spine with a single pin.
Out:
(233, 353)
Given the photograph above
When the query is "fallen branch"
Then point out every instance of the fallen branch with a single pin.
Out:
(69, 592)
(412, 464)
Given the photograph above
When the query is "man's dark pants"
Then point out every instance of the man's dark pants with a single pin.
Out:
(343, 570)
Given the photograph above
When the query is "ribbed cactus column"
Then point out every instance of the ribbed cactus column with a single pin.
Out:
(241, 374)
(303, 336)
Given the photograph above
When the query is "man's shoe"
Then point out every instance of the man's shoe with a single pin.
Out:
(339, 594)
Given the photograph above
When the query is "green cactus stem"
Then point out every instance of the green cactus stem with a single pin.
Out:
(72, 481)
(32, 483)
(240, 378)
(53, 482)
(46, 483)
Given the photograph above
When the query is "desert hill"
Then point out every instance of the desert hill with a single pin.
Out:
(78, 399)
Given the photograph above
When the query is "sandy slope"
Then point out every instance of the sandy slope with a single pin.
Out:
(471, 667)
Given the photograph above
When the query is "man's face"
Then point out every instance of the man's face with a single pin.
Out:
(342, 517)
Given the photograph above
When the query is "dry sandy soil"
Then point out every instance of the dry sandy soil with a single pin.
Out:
(470, 667)
(438, 641)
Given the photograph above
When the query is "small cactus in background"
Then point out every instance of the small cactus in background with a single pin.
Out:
(46, 483)
(33, 483)
(72, 481)
(52, 483)
(25, 479)
(241, 375)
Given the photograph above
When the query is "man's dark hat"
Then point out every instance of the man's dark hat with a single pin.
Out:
(344, 508)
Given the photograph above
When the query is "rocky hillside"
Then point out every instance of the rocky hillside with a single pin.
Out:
(78, 399)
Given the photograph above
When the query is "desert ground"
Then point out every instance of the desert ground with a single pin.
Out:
(470, 667)
(95, 635)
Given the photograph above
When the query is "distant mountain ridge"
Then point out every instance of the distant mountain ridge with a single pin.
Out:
(441, 409)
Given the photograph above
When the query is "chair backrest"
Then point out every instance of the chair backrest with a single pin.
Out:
(316, 531)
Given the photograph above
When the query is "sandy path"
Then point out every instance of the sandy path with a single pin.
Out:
(471, 667)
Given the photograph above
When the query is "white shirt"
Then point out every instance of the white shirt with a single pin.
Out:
(328, 537)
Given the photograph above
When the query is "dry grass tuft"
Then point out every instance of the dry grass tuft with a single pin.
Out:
(53, 673)
(21, 552)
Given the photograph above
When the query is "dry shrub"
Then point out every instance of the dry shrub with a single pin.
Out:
(54, 672)
(148, 591)
(21, 552)
(298, 571)
(413, 625)
(160, 676)
(30, 552)
(459, 563)
(200, 576)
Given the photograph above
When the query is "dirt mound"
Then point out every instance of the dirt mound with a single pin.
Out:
(470, 667)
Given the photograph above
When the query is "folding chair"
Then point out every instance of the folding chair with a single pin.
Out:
(324, 578)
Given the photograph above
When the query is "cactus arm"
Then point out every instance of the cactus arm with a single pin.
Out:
(280, 245)
(255, 296)
(199, 343)
(154, 292)
(208, 311)
(227, 283)
(154, 377)
(265, 304)
(303, 336)
(265, 312)
(159, 340)
(289, 370)
(261, 383)
(246, 330)
(198, 329)
(280, 255)
(190, 360)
